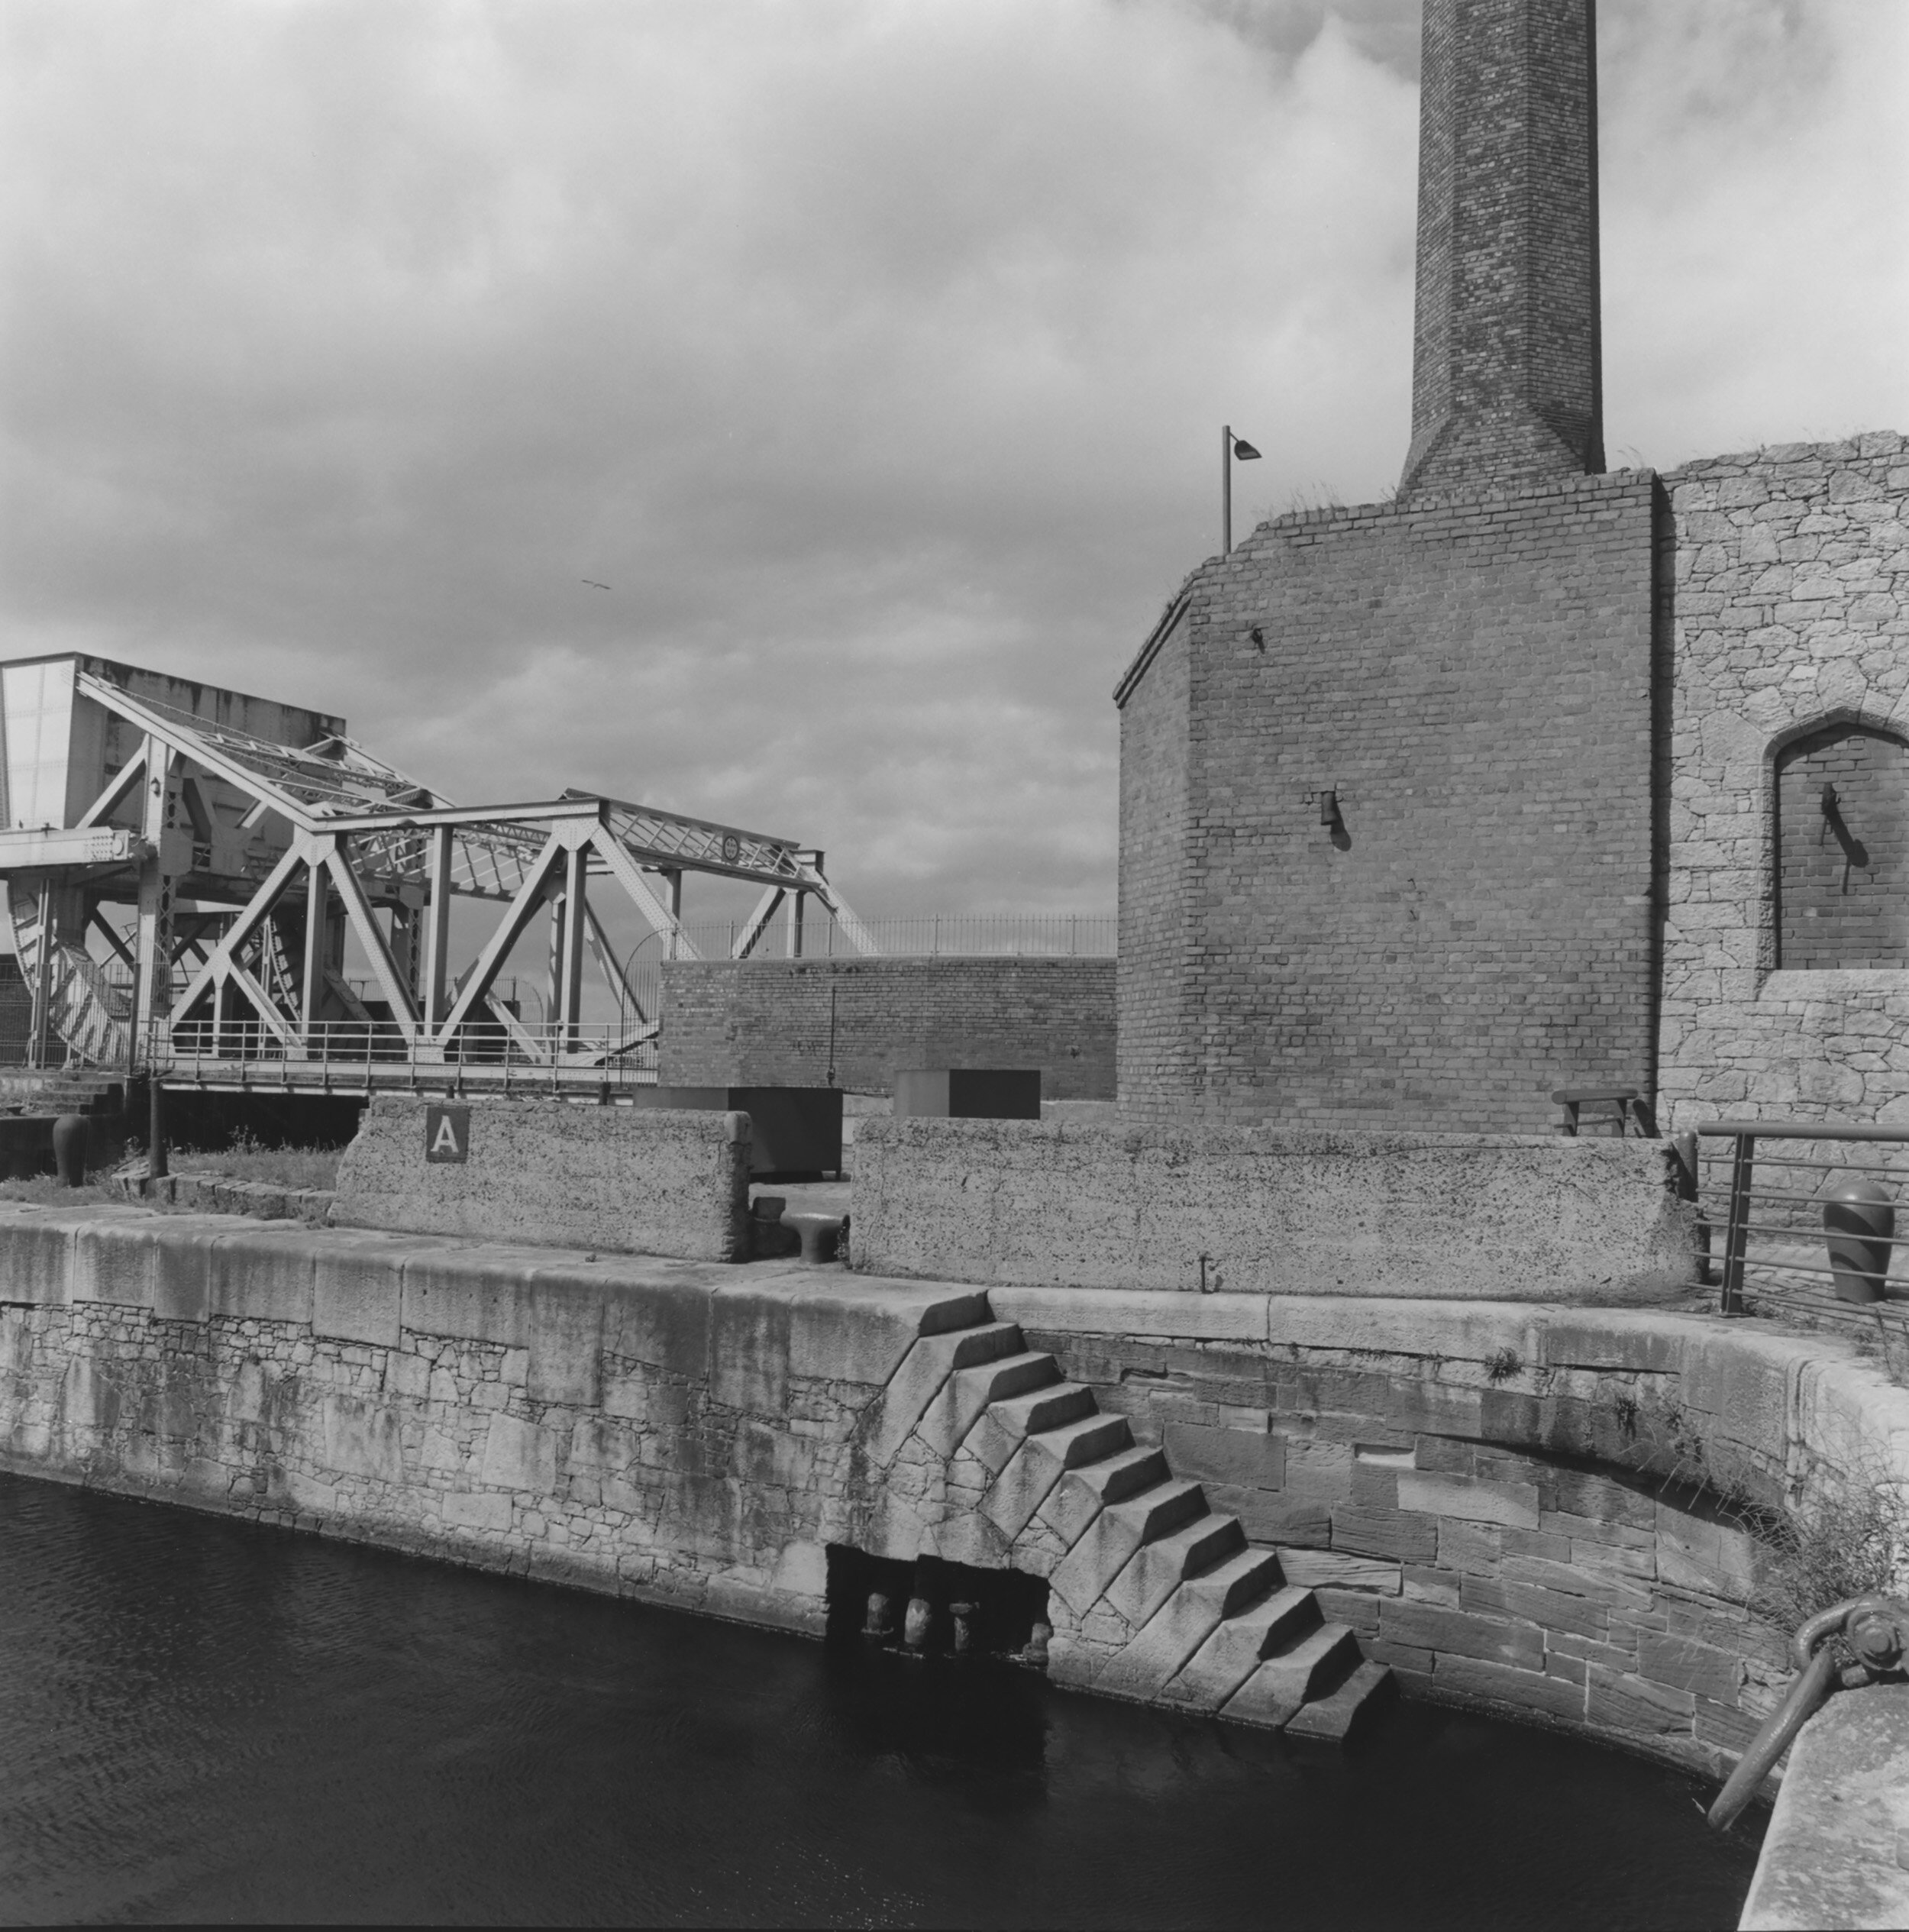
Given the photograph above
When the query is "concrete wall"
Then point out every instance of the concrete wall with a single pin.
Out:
(1785, 590)
(1503, 1500)
(1541, 1219)
(853, 1023)
(1833, 1854)
(1473, 678)
(628, 1181)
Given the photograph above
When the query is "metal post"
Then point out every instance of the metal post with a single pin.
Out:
(569, 1014)
(312, 993)
(1736, 1234)
(437, 930)
(1226, 489)
(157, 1167)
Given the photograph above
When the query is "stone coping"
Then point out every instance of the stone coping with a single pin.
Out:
(1757, 1386)
(1836, 1852)
(1108, 1206)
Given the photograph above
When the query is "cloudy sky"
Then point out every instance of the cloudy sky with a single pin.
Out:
(872, 352)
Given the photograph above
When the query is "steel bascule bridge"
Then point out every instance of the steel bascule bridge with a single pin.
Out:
(181, 865)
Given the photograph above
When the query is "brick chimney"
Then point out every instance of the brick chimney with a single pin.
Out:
(1507, 383)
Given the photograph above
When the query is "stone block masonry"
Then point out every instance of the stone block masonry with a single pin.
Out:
(853, 1023)
(624, 1180)
(1784, 590)
(1233, 1211)
(1470, 679)
(1487, 1495)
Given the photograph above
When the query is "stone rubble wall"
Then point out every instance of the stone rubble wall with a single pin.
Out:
(683, 1432)
(1784, 588)
(1093, 1205)
(624, 1180)
(1514, 1505)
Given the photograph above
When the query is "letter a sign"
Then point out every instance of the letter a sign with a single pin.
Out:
(446, 1134)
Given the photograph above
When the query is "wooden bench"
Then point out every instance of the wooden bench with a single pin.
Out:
(1627, 1105)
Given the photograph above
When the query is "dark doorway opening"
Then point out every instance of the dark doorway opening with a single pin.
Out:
(1002, 1606)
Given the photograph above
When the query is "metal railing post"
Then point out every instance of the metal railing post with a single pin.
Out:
(1736, 1232)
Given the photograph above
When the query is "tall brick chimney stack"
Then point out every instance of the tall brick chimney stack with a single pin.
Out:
(1508, 382)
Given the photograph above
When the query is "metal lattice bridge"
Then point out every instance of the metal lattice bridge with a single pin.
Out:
(183, 865)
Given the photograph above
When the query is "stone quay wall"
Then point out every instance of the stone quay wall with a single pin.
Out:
(1244, 1211)
(683, 1432)
(629, 1181)
(853, 1023)
(1784, 590)
(1471, 677)
(1515, 1507)
(1506, 1502)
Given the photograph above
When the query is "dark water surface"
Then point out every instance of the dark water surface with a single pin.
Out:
(201, 1720)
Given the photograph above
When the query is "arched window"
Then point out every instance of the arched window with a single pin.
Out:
(1843, 851)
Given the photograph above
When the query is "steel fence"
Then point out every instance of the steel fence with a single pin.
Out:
(1801, 1219)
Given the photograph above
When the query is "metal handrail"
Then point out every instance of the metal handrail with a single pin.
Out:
(1744, 1142)
(361, 1055)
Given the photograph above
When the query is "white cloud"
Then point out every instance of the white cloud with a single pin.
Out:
(873, 351)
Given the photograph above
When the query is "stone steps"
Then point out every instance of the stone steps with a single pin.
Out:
(1209, 1622)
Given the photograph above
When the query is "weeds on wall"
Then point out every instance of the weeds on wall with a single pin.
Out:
(1846, 1541)
(246, 1158)
(1847, 1537)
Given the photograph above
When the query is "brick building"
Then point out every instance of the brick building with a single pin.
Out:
(1517, 780)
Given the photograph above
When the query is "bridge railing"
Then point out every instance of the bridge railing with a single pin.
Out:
(1803, 1222)
(343, 1053)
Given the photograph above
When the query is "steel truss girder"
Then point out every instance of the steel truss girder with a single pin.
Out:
(366, 835)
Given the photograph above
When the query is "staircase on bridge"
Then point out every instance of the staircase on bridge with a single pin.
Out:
(1160, 1597)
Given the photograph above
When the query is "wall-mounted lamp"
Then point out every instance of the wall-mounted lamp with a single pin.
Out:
(1329, 809)
(1830, 802)
(1258, 638)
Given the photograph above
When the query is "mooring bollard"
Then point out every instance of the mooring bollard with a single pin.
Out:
(963, 1616)
(879, 1620)
(1860, 1219)
(70, 1148)
(915, 1628)
(820, 1232)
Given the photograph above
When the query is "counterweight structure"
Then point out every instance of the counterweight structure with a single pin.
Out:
(181, 865)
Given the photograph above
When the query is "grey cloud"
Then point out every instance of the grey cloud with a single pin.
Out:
(874, 354)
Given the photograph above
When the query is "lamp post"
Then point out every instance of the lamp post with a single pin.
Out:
(1230, 448)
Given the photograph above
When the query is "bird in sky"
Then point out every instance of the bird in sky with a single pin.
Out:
(594, 585)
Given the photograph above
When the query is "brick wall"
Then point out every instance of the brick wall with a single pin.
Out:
(1507, 382)
(1473, 677)
(1787, 614)
(1155, 1052)
(787, 1022)
(1842, 851)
